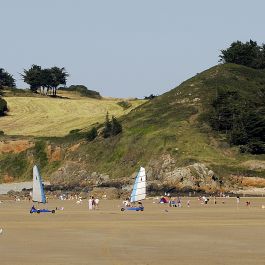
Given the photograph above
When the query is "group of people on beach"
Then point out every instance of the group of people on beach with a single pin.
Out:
(93, 203)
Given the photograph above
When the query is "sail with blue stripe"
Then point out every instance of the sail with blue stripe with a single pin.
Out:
(139, 187)
(38, 194)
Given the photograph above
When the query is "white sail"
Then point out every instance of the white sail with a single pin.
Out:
(38, 194)
(139, 187)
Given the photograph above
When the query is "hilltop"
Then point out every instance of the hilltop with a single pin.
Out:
(168, 135)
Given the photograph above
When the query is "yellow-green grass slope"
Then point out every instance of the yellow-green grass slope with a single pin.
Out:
(46, 116)
(172, 124)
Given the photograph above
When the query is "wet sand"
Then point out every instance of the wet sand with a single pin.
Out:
(202, 234)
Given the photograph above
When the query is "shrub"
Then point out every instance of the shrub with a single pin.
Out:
(3, 106)
(124, 104)
(83, 91)
(116, 126)
(74, 131)
(92, 134)
(150, 97)
(111, 128)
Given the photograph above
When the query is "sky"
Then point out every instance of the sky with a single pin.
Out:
(124, 48)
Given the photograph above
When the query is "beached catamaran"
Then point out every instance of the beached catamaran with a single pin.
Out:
(38, 194)
(138, 192)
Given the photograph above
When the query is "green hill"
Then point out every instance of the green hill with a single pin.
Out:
(172, 124)
(169, 132)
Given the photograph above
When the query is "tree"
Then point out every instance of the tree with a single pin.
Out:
(92, 134)
(111, 128)
(107, 131)
(6, 79)
(49, 78)
(33, 77)
(240, 118)
(58, 77)
(116, 126)
(249, 54)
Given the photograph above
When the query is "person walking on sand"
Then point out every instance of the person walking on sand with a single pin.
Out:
(90, 203)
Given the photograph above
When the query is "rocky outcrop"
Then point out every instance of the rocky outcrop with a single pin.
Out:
(162, 175)
(193, 177)
(15, 146)
(54, 153)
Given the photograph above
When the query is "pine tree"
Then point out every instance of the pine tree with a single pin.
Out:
(92, 134)
(107, 131)
(116, 126)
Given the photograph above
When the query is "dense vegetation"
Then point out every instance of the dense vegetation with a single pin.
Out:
(82, 90)
(241, 117)
(248, 54)
(111, 127)
(6, 79)
(45, 79)
(3, 106)
(239, 112)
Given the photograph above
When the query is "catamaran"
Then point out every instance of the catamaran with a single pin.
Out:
(38, 194)
(138, 193)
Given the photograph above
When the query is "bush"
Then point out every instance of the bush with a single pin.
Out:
(116, 126)
(150, 97)
(3, 106)
(92, 134)
(83, 91)
(256, 147)
(75, 131)
(40, 154)
(124, 104)
(112, 127)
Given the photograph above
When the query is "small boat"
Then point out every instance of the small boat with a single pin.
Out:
(38, 194)
(138, 192)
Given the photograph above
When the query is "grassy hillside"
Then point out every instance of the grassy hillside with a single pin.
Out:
(172, 124)
(43, 116)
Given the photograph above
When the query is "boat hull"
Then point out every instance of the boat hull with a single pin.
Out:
(132, 209)
(41, 211)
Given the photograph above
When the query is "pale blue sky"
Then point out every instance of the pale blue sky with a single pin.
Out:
(124, 48)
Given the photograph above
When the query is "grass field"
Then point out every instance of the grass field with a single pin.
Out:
(202, 234)
(42, 116)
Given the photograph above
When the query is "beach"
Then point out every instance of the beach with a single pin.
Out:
(202, 234)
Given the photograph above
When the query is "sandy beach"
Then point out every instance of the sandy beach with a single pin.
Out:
(202, 234)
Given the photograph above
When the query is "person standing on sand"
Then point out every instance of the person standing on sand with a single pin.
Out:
(237, 201)
(93, 203)
(179, 202)
(214, 200)
(96, 203)
(90, 203)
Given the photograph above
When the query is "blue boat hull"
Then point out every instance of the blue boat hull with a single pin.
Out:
(41, 211)
(132, 209)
